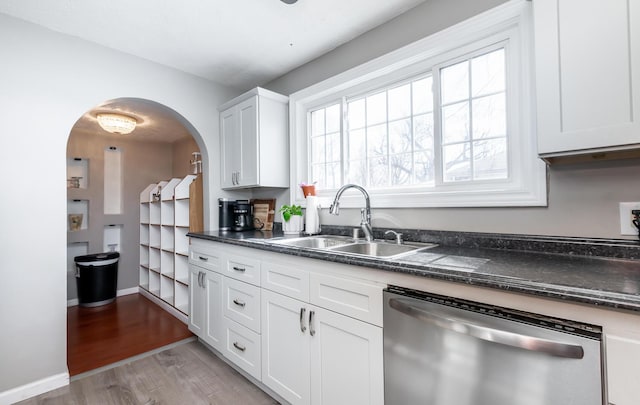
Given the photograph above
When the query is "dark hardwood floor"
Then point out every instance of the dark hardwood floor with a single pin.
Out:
(130, 326)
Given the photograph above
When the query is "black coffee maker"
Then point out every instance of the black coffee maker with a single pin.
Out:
(225, 214)
(242, 216)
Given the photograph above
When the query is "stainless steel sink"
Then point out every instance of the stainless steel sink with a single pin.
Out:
(315, 242)
(349, 246)
(378, 249)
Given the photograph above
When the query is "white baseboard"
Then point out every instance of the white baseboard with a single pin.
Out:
(34, 388)
(126, 291)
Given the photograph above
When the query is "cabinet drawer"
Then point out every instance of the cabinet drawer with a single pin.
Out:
(357, 299)
(242, 303)
(289, 281)
(205, 258)
(242, 268)
(243, 348)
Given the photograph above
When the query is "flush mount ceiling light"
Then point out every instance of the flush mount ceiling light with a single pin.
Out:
(116, 123)
(288, 1)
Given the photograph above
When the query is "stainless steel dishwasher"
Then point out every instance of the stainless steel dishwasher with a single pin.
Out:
(444, 351)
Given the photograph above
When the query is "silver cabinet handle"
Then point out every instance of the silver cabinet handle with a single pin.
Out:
(202, 276)
(239, 303)
(233, 178)
(312, 330)
(532, 343)
(199, 279)
(204, 259)
(303, 328)
(240, 269)
(239, 347)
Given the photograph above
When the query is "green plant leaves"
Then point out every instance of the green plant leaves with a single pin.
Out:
(289, 210)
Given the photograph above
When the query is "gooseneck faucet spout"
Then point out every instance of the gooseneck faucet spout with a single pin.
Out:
(365, 213)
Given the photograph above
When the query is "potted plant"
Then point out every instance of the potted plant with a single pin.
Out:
(291, 218)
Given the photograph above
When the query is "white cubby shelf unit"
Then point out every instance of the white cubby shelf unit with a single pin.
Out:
(164, 245)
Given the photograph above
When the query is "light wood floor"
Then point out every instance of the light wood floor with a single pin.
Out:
(131, 325)
(186, 374)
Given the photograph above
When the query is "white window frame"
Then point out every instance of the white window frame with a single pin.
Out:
(510, 23)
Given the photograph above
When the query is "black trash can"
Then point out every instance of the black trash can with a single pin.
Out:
(97, 278)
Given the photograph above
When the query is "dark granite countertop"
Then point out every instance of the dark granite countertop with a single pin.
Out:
(611, 280)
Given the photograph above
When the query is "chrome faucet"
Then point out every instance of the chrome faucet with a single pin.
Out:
(365, 213)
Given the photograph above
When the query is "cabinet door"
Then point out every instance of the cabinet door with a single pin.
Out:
(346, 360)
(230, 148)
(196, 301)
(587, 74)
(623, 370)
(213, 310)
(248, 132)
(285, 347)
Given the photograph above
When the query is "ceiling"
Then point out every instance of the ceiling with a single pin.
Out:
(239, 43)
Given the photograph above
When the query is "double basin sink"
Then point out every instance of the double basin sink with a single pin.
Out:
(345, 245)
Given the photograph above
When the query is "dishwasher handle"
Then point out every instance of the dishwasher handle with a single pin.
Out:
(532, 343)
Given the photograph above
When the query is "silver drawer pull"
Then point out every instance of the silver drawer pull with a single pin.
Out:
(312, 330)
(204, 259)
(303, 327)
(241, 269)
(239, 347)
(239, 303)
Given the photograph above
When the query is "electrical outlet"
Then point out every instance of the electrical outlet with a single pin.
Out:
(626, 218)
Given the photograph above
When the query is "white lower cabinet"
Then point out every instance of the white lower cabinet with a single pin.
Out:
(205, 305)
(311, 355)
(214, 326)
(197, 306)
(623, 375)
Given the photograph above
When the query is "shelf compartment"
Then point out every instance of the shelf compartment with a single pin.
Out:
(181, 266)
(167, 238)
(166, 289)
(154, 258)
(144, 277)
(154, 283)
(112, 239)
(166, 263)
(167, 213)
(144, 256)
(144, 234)
(181, 298)
(77, 173)
(154, 213)
(181, 241)
(77, 208)
(182, 213)
(154, 236)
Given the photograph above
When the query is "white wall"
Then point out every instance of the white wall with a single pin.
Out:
(47, 81)
(583, 199)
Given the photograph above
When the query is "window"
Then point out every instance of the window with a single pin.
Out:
(430, 124)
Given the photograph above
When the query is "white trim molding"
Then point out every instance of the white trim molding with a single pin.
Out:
(34, 388)
(510, 23)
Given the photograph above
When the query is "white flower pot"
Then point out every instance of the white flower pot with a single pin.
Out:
(293, 225)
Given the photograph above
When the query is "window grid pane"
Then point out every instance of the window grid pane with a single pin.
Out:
(474, 128)
(390, 136)
(326, 146)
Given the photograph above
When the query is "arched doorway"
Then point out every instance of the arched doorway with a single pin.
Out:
(159, 149)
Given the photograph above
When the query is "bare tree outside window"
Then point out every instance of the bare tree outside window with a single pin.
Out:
(386, 138)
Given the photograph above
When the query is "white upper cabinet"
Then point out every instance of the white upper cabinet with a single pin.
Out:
(254, 141)
(587, 76)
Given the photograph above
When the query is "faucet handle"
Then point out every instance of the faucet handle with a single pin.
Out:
(398, 236)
